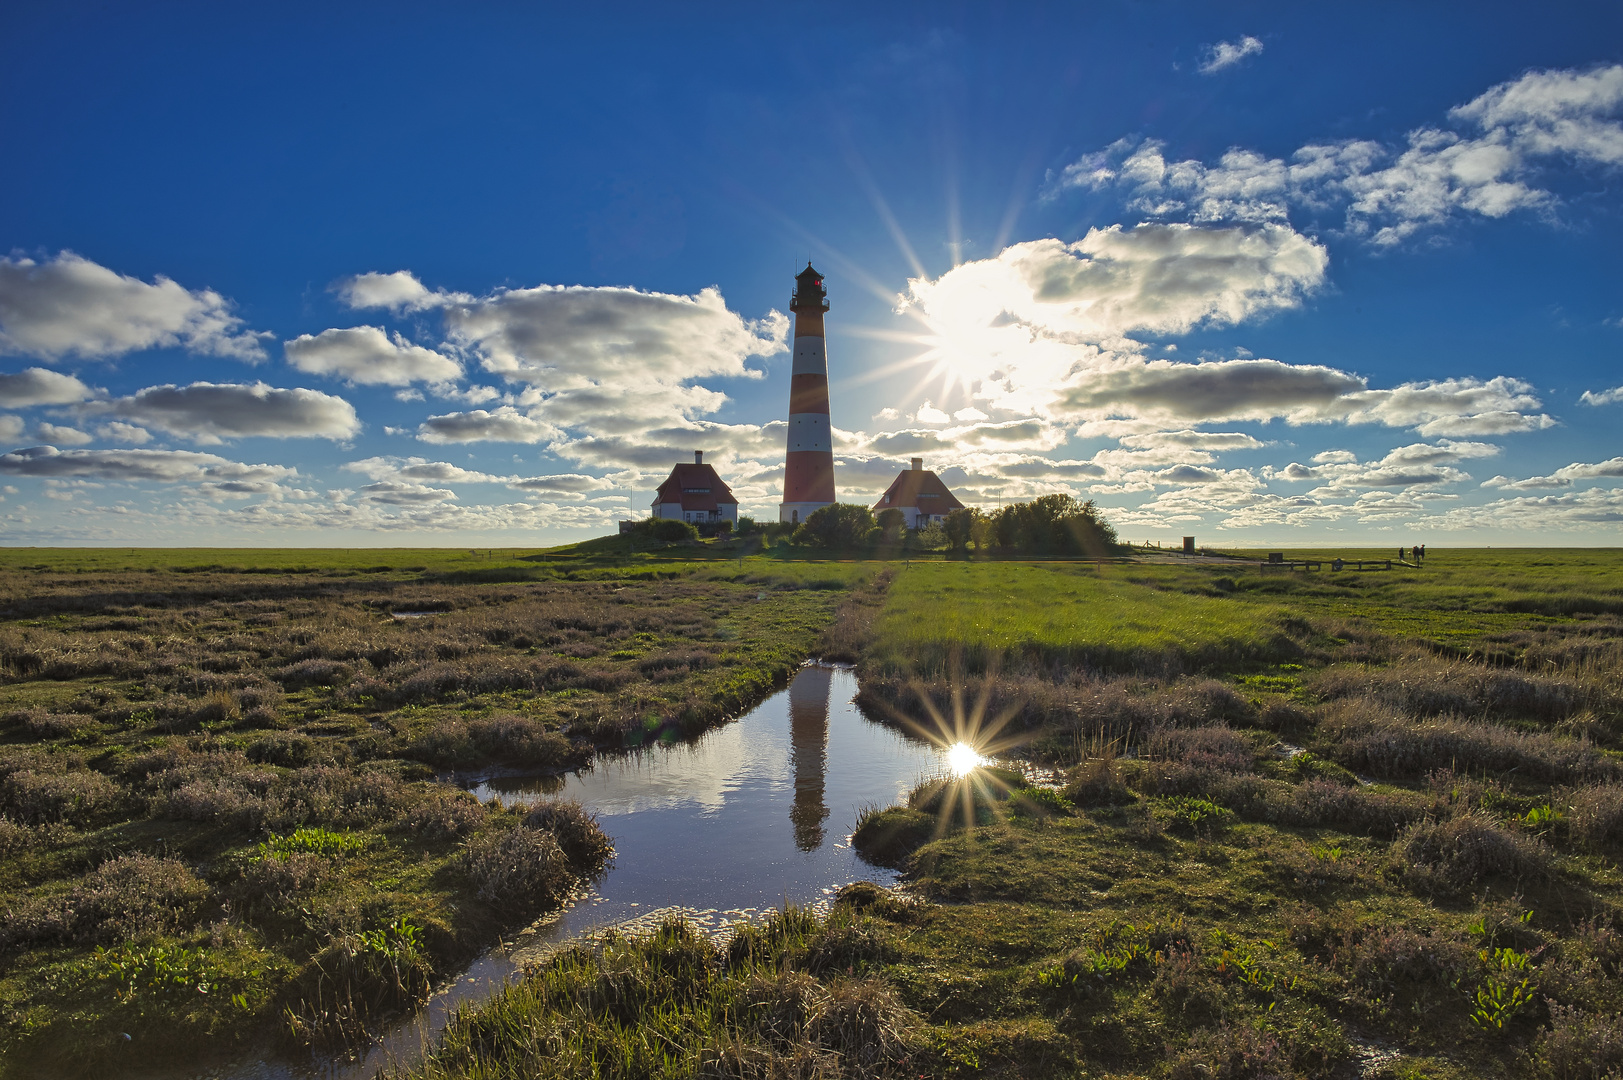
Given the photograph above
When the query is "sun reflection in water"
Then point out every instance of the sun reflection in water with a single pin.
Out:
(962, 759)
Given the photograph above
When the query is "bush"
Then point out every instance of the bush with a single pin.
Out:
(1468, 847)
(1579, 1045)
(443, 814)
(1595, 815)
(1367, 739)
(1097, 782)
(74, 797)
(518, 867)
(841, 526)
(1195, 815)
(1329, 804)
(576, 830)
(664, 531)
(125, 897)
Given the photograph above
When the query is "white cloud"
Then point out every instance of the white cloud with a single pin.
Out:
(1454, 407)
(209, 413)
(1388, 193)
(1603, 397)
(505, 424)
(562, 484)
(11, 428)
(929, 414)
(968, 414)
(1562, 477)
(62, 436)
(118, 431)
(1545, 516)
(366, 355)
(1199, 440)
(37, 386)
(399, 292)
(131, 466)
(396, 493)
(70, 306)
(1225, 54)
(421, 470)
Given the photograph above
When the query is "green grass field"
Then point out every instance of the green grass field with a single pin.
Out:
(1306, 824)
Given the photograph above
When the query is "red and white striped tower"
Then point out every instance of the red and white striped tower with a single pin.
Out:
(808, 475)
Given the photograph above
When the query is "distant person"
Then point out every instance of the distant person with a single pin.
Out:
(1422, 551)
(1400, 554)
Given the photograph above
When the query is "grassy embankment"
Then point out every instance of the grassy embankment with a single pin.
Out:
(218, 812)
(1310, 825)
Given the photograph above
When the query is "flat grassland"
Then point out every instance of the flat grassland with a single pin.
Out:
(1302, 824)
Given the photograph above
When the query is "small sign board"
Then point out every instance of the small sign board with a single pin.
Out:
(1189, 545)
(1276, 556)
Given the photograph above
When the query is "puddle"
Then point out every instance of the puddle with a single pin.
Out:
(727, 827)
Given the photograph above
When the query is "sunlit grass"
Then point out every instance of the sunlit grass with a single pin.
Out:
(984, 613)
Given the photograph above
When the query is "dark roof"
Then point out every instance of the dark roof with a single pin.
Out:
(905, 490)
(689, 475)
(809, 273)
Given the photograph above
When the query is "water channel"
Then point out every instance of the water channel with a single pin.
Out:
(733, 824)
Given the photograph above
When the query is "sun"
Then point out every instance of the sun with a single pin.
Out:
(962, 759)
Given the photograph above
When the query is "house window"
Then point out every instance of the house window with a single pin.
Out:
(696, 491)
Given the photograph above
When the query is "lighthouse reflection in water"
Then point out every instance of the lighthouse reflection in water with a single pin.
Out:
(808, 753)
(748, 815)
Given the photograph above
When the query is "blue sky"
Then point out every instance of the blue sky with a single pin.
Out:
(403, 274)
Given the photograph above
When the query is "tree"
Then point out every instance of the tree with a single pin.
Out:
(960, 526)
(842, 525)
(891, 523)
(1053, 525)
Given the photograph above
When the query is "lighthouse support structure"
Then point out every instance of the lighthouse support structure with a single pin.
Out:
(808, 474)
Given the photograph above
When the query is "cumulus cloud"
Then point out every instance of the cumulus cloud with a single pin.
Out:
(1388, 193)
(70, 306)
(61, 435)
(929, 414)
(1163, 279)
(368, 356)
(505, 424)
(562, 484)
(1563, 477)
(38, 386)
(1597, 507)
(118, 431)
(1225, 54)
(1198, 440)
(11, 428)
(1452, 407)
(1218, 390)
(399, 292)
(1602, 397)
(131, 466)
(396, 493)
(421, 470)
(210, 413)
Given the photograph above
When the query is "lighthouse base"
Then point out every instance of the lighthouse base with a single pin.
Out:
(794, 513)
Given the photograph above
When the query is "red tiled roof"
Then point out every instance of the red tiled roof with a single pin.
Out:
(687, 476)
(907, 488)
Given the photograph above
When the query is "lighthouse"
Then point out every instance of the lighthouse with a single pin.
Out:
(808, 474)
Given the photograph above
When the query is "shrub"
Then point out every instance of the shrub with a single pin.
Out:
(1470, 846)
(1579, 1045)
(1097, 782)
(781, 1005)
(865, 1023)
(1595, 815)
(1431, 688)
(1385, 745)
(75, 797)
(125, 897)
(840, 526)
(273, 880)
(443, 814)
(518, 866)
(583, 841)
(1215, 748)
(1352, 810)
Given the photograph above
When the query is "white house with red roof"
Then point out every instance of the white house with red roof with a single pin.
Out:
(920, 495)
(696, 494)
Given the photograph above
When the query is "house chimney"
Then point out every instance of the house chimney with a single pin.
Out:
(698, 457)
(918, 464)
